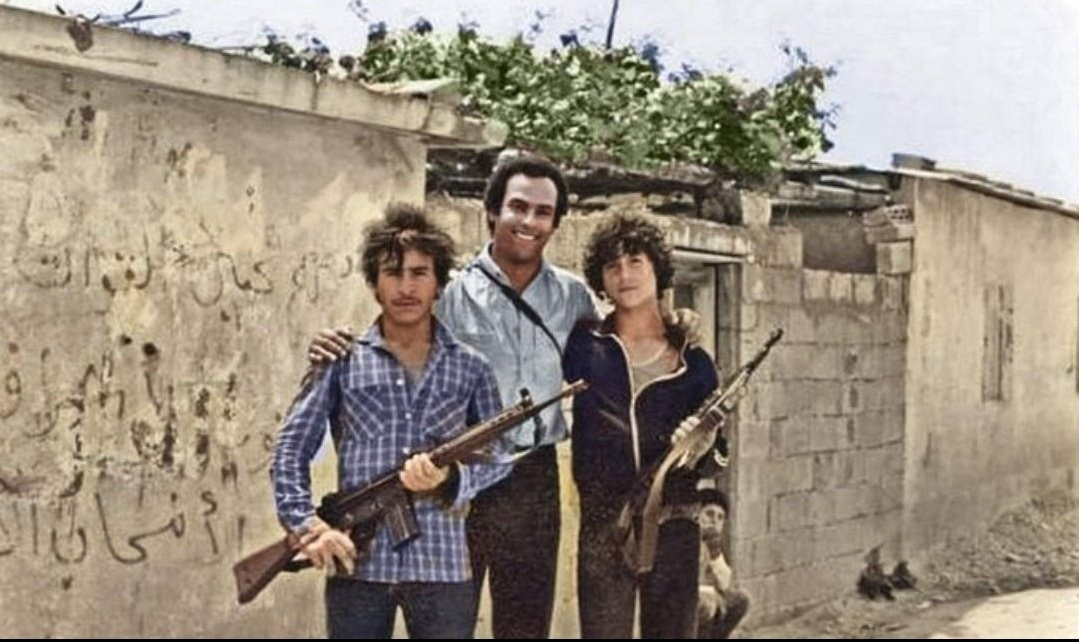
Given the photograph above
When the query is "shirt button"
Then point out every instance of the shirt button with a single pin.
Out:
(408, 415)
(400, 382)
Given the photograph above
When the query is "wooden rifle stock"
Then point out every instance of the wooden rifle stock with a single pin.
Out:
(258, 569)
(646, 497)
(385, 499)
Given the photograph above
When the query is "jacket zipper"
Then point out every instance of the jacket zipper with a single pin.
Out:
(633, 396)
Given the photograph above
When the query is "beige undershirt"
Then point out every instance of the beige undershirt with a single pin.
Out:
(664, 361)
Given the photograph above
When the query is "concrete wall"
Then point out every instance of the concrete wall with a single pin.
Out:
(816, 473)
(164, 256)
(967, 458)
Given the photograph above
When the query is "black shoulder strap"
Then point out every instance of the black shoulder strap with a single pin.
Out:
(521, 305)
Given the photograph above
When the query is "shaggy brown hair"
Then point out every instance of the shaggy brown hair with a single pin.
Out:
(405, 227)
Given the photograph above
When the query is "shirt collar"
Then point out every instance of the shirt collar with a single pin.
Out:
(444, 339)
(675, 335)
(487, 261)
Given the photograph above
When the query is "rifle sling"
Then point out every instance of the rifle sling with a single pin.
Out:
(644, 557)
(522, 305)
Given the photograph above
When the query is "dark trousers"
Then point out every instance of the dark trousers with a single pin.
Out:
(606, 589)
(513, 530)
(721, 626)
(433, 610)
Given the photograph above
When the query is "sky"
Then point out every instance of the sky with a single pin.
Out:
(989, 86)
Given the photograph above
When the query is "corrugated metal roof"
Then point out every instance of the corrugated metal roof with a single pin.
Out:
(825, 173)
(999, 189)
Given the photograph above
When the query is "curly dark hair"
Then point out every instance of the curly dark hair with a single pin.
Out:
(529, 165)
(625, 234)
(406, 227)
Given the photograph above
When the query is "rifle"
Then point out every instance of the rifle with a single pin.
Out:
(384, 500)
(646, 497)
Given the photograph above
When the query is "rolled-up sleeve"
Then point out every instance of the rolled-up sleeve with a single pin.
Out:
(300, 437)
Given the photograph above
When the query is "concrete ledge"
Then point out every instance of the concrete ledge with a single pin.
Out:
(889, 233)
(726, 243)
(1012, 195)
(41, 39)
(895, 258)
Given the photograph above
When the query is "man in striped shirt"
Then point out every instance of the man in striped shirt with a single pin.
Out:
(406, 385)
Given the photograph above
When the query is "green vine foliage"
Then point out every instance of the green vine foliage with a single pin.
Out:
(583, 103)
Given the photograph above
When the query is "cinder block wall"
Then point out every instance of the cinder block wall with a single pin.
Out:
(817, 474)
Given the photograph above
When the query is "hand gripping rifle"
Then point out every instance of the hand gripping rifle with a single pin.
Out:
(384, 500)
(646, 498)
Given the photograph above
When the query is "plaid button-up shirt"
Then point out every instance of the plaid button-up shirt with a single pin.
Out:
(376, 415)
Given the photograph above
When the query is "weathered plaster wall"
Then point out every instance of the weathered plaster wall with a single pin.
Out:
(969, 458)
(163, 259)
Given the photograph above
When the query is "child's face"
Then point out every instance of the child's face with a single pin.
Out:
(630, 281)
(711, 518)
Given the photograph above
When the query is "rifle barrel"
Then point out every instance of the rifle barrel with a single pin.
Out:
(254, 572)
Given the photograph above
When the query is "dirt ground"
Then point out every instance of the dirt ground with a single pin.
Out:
(1035, 546)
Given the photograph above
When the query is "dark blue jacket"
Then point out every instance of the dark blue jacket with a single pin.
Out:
(605, 464)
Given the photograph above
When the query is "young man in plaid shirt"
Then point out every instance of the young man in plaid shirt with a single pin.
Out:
(406, 385)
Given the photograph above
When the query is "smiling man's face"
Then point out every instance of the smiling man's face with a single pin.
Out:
(525, 222)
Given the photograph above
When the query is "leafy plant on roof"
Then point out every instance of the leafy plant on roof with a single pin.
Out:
(587, 101)
(584, 102)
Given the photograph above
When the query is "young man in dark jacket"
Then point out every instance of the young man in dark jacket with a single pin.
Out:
(645, 380)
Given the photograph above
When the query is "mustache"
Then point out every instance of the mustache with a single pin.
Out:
(405, 300)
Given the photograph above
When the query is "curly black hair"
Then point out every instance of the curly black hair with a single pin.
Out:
(406, 227)
(626, 234)
(532, 166)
